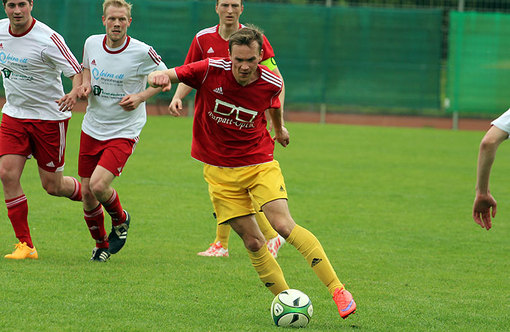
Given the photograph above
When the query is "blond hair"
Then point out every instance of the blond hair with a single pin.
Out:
(117, 3)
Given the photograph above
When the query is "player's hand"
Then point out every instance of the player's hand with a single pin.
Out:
(175, 107)
(67, 102)
(282, 136)
(158, 79)
(130, 102)
(84, 91)
(482, 210)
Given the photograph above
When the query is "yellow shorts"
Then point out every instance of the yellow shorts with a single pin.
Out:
(230, 188)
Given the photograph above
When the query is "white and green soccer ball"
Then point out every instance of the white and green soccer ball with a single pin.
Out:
(291, 308)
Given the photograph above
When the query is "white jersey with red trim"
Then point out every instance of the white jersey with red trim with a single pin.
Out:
(31, 65)
(116, 73)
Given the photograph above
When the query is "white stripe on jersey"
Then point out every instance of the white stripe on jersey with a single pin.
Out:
(227, 65)
(137, 139)
(206, 31)
(65, 53)
(62, 145)
(271, 78)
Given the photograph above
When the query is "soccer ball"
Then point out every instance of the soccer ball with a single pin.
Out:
(291, 308)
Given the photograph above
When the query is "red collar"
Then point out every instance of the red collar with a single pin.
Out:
(24, 33)
(128, 39)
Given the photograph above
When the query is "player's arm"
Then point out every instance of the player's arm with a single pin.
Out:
(281, 134)
(67, 102)
(484, 201)
(176, 104)
(163, 79)
(271, 64)
(86, 87)
(131, 102)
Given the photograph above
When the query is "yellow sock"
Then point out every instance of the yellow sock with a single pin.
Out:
(308, 245)
(268, 269)
(265, 226)
(222, 234)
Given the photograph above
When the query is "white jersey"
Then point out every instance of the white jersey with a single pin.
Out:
(503, 122)
(116, 73)
(31, 65)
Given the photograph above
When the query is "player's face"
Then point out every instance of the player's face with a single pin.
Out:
(245, 60)
(229, 11)
(19, 13)
(116, 22)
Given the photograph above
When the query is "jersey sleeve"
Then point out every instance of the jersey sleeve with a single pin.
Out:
(503, 122)
(193, 74)
(61, 56)
(85, 61)
(194, 52)
(152, 61)
(275, 101)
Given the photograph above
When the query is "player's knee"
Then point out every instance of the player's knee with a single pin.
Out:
(254, 243)
(7, 175)
(87, 195)
(4, 175)
(98, 187)
(284, 227)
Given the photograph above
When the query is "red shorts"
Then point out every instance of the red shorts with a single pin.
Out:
(43, 139)
(111, 154)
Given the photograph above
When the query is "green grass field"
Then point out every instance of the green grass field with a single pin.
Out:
(391, 206)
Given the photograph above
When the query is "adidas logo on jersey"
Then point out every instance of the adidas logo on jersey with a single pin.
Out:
(50, 164)
(210, 50)
(93, 63)
(218, 90)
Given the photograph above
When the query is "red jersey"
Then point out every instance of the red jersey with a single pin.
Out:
(229, 126)
(209, 44)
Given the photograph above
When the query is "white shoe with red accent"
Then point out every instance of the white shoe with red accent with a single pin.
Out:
(274, 244)
(215, 250)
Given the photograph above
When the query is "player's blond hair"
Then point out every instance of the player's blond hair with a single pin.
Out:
(117, 3)
(246, 36)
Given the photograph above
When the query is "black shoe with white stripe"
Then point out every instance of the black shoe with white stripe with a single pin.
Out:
(118, 235)
(100, 255)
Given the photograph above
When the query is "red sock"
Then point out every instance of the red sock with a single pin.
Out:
(17, 211)
(114, 209)
(76, 196)
(95, 222)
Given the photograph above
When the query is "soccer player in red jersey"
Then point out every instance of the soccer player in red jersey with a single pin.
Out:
(213, 42)
(36, 114)
(230, 138)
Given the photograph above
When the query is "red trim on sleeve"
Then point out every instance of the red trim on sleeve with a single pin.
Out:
(154, 56)
(66, 53)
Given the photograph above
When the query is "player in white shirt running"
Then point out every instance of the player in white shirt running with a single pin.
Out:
(36, 113)
(115, 80)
